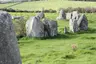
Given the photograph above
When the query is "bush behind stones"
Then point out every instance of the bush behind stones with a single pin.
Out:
(69, 9)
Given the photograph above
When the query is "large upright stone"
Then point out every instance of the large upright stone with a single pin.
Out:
(73, 25)
(9, 52)
(34, 27)
(62, 15)
(50, 27)
(18, 17)
(83, 22)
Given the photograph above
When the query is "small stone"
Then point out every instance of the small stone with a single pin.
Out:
(73, 25)
(62, 15)
(65, 30)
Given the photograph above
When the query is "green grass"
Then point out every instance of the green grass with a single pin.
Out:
(58, 50)
(51, 4)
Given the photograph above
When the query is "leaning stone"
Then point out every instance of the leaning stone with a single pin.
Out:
(9, 52)
(62, 15)
(83, 22)
(34, 27)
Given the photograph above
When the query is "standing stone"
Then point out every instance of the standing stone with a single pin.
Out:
(75, 15)
(73, 25)
(83, 22)
(9, 52)
(34, 27)
(62, 15)
(65, 30)
(50, 27)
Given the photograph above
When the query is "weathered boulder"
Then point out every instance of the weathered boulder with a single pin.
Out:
(34, 27)
(62, 15)
(75, 15)
(50, 27)
(83, 22)
(73, 25)
(9, 52)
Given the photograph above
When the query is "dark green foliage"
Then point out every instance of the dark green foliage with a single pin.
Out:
(20, 27)
(69, 9)
(71, 56)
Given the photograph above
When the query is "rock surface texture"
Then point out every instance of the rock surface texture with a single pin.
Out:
(9, 52)
(83, 22)
(34, 27)
(50, 27)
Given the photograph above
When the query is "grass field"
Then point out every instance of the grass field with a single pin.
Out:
(58, 50)
(51, 4)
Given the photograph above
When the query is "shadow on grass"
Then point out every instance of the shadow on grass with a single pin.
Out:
(59, 36)
(62, 36)
(90, 31)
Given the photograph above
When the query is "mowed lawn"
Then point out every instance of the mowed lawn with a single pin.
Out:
(58, 50)
(51, 4)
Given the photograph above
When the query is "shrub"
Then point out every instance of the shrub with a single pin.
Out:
(81, 10)
(69, 9)
(20, 29)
